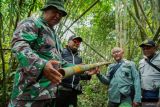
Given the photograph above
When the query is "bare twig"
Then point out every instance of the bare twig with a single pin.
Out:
(81, 16)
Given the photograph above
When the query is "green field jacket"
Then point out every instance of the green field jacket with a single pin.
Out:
(122, 82)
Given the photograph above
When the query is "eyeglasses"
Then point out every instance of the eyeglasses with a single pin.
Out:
(76, 41)
(116, 52)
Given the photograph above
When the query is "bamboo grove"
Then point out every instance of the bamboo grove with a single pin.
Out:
(102, 23)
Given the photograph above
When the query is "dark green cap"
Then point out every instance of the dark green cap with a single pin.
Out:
(59, 4)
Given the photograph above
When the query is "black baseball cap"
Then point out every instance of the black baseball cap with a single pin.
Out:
(148, 42)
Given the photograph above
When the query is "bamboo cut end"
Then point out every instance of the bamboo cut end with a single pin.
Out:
(62, 71)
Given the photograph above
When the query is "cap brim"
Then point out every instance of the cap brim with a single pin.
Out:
(78, 38)
(142, 45)
(57, 7)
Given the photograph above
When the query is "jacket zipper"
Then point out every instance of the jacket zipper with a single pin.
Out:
(73, 75)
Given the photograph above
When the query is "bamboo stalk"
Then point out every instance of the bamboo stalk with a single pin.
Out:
(146, 19)
(69, 71)
(3, 64)
(137, 22)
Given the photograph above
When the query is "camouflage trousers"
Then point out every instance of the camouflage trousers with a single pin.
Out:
(31, 103)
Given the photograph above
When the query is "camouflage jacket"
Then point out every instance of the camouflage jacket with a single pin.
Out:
(33, 44)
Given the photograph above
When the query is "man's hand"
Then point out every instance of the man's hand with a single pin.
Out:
(158, 103)
(93, 71)
(136, 104)
(51, 72)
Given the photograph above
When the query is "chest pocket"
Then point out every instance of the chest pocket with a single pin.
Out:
(141, 67)
(44, 42)
(77, 60)
(67, 58)
(126, 72)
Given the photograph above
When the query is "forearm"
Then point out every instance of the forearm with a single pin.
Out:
(103, 79)
(137, 85)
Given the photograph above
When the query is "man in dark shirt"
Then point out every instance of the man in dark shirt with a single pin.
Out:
(70, 87)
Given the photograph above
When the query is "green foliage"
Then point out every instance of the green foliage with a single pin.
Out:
(94, 94)
(97, 27)
(96, 30)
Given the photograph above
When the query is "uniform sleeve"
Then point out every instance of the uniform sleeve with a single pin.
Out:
(105, 79)
(29, 61)
(137, 86)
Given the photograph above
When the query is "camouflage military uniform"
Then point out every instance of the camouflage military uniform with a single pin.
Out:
(34, 43)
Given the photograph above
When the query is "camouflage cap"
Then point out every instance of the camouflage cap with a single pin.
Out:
(148, 42)
(59, 4)
(75, 37)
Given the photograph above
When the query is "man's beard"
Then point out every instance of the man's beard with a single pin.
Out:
(74, 50)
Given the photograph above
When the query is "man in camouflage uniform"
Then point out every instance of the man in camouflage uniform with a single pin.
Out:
(38, 50)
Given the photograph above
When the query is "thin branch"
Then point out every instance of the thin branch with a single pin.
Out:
(18, 13)
(88, 45)
(94, 50)
(81, 16)
(137, 14)
(145, 16)
(6, 49)
(136, 8)
(156, 36)
(32, 7)
(69, 8)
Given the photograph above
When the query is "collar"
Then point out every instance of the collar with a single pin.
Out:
(121, 61)
(154, 56)
(41, 18)
(70, 50)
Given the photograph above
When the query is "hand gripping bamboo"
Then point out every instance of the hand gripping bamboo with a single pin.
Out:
(68, 71)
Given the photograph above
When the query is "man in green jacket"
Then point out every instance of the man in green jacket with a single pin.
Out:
(122, 78)
(38, 51)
